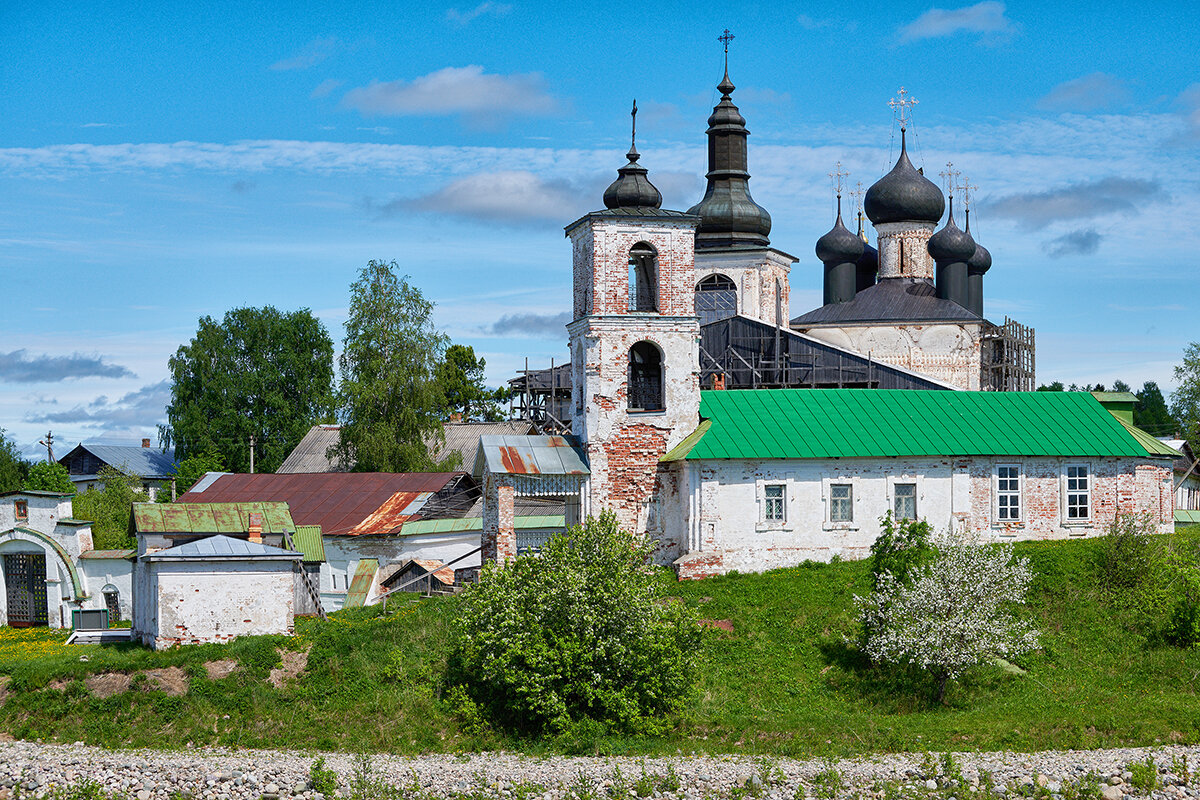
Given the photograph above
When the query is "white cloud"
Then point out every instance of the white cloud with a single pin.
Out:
(325, 88)
(1075, 243)
(455, 90)
(127, 415)
(310, 55)
(1090, 93)
(513, 196)
(983, 18)
(19, 367)
(1083, 200)
(486, 7)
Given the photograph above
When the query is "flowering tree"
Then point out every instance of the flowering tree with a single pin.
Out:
(953, 612)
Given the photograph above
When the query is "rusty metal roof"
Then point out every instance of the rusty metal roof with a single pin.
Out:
(360, 586)
(103, 554)
(530, 455)
(342, 503)
(219, 517)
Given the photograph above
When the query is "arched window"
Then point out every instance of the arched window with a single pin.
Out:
(112, 601)
(645, 378)
(643, 278)
(716, 298)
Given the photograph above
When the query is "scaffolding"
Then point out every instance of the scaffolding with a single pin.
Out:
(1007, 357)
(542, 397)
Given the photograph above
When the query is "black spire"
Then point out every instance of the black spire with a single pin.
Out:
(632, 189)
(728, 214)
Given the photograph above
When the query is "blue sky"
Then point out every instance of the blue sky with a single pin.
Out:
(160, 162)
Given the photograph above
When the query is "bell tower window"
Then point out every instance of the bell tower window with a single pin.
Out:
(643, 278)
(716, 298)
(645, 378)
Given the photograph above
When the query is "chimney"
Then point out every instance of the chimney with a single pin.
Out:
(718, 381)
(256, 526)
(145, 442)
(456, 416)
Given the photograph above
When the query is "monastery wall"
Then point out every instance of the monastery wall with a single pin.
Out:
(725, 525)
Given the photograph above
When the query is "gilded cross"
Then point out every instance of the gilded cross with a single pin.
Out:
(967, 190)
(836, 177)
(950, 177)
(902, 105)
(857, 194)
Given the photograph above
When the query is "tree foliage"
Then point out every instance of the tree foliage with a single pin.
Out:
(258, 372)
(390, 401)
(13, 468)
(193, 468)
(460, 376)
(1185, 400)
(1151, 412)
(578, 632)
(110, 507)
(955, 611)
(49, 476)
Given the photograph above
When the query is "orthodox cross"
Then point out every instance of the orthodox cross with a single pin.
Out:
(902, 105)
(967, 189)
(836, 177)
(725, 38)
(633, 135)
(857, 194)
(950, 177)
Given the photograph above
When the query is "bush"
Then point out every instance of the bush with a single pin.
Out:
(1129, 557)
(899, 548)
(955, 612)
(579, 631)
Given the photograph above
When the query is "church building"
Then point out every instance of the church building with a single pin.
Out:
(739, 440)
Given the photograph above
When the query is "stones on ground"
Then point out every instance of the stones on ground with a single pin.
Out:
(293, 663)
(220, 669)
(1111, 792)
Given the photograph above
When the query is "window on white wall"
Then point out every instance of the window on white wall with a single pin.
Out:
(1079, 492)
(1008, 493)
(905, 501)
(841, 502)
(774, 502)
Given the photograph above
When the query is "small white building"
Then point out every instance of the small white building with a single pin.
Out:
(48, 567)
(213, 589)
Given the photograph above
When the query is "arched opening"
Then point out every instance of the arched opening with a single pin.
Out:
(645, 378)
(716, 298)
(643, 278)
(112, 601)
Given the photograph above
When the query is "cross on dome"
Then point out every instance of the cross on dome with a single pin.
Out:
(902, 105)
(836, 177)
(950, 177)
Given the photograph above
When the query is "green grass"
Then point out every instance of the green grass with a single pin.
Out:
(783, 682)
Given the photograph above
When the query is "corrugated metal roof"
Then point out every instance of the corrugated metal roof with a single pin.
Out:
(145, 462)
(1184, 516)
(1152, 445)
(463, 437)
(530, 455)
(340, 502)
(217, 517)
(873, 423)
(309, 455)
(360, 586)
(308, 540)
(222, 548)
(890, 300)
(113, 554)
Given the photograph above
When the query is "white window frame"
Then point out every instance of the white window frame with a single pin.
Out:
(1019, 520)
(916, 499)
(1065, 494)
(827, 485)
(760, 492)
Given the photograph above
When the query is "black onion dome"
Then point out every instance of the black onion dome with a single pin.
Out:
(839, 245)
(981, 261)
(728, 214)
(870, 256)
(632, 189)
(951, 243)
(904, 195)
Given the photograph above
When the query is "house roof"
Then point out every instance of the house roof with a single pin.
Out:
(530, 455)
(360, 584)
(891, 301)
(185, 517)
(108, 554)
(308, 540)
(873, 423)
(342, 503)
(145, 462)
(37, 493)
(309, 454)
(463, 437)
(223, 548)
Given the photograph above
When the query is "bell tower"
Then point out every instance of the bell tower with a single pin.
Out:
(634, 344)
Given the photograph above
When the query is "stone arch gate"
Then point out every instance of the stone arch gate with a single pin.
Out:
(37, 580)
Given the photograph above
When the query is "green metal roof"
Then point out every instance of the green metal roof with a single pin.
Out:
(1153, 446)
(308, 540)
(360, 586)
(420, 526)
(1184, 516)
(873, 423)
(209, 517)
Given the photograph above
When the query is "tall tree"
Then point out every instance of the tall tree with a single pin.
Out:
(49, 476)
(390, 400)
(461, 377)
(1151, 413)
(257, 373)
(1185, 400)
(13, 468)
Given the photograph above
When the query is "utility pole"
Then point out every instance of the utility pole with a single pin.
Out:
(48, 443)
(252, 454)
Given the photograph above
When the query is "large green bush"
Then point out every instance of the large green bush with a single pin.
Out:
(577, 632)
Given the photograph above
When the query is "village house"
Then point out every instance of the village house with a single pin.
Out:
(155, 468)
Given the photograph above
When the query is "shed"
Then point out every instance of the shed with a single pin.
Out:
(406, 577)
(213, 589)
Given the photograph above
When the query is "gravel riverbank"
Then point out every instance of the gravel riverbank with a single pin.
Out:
(28, 768)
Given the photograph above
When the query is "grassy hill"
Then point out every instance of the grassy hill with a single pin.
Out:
(782, 680)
